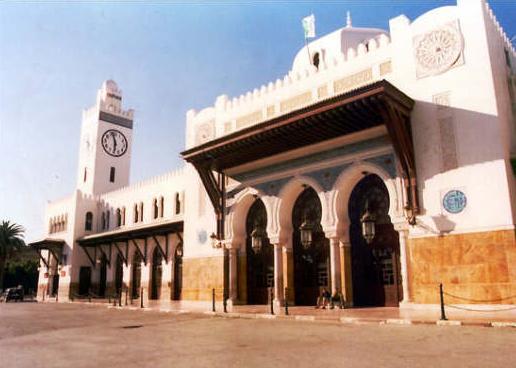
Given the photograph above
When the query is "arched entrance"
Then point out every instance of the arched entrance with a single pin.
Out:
(375, 266)
(136, 275)
(119, 274)
(156, 274)
(178, 272)
(260, 264)
(311, 261)
(103, 276)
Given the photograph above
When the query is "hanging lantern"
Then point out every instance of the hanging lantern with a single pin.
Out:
(368, 225)
(257, 237)
(179, 251)
(306, 231)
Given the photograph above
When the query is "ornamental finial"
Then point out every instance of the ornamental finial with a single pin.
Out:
(348, 19)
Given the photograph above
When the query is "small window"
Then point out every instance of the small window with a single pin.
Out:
(141, 211)
(123, 216)
(161, 206)
(316, 60)
(136, 213)
(85, 174)
(118, 217)
(178, 204)
(89, 221)
(112, 175)
(107, 219)
(103, 222)
(155, 207)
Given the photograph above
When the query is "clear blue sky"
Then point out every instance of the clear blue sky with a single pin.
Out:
(166, 57)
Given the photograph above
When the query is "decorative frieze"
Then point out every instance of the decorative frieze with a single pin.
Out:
(249, 119)
(446, 125)
(353, 81)
(385, 67)
(296, 102)
(322, 92)
(271, 110)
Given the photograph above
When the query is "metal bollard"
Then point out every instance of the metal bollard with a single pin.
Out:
(141, 297)
(272, 300)
(225, 303)
(57, 296)
(441, 295)
(120, 298)
(126, 295)
(286, 301)
(114, 300)
(213, 300)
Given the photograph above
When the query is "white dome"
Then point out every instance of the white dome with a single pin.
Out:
(334, 45)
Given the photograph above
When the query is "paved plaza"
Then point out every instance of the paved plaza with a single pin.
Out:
(81, 335)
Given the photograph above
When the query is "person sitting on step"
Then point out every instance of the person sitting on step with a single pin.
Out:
(337, 299)
(324, 299)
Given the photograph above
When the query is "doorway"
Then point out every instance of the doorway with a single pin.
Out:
(375, 266)
(311, 261)
(260, 263)
(84, 280)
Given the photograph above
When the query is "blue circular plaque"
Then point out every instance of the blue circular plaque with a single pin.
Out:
(202, 236)
(454, 201)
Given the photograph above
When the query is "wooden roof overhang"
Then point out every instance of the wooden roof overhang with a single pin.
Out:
(54, 247)
(376, 104)
(116, 237)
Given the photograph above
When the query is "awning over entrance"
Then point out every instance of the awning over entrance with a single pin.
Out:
(54, 247)
(121, 238)
(379, 103)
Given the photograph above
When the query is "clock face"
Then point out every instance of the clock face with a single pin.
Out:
(114, 143)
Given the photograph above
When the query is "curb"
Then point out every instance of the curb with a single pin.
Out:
(312, 319)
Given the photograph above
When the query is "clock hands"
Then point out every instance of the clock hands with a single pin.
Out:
(114, 141)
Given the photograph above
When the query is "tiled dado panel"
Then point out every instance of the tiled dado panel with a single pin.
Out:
(480, 267)
(201, 276)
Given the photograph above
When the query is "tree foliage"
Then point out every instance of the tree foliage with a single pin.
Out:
(11, 239)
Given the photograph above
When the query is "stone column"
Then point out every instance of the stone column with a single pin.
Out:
(166, 281)
(403, 236)
(146, 280)
(126, 282)
(335, 265)
(279, 298)
(288, 274)
(233, 275)
(346, 277)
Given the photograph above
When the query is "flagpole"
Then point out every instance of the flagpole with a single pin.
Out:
(308, 50)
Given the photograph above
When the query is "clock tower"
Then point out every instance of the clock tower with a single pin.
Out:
(106, 140)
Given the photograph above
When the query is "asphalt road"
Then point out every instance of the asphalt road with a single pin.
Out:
(66, 335)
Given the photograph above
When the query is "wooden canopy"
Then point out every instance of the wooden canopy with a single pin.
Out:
(121, 238)
(54, 247)
(376, 104)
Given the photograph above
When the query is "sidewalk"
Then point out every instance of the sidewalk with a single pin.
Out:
(380, 315)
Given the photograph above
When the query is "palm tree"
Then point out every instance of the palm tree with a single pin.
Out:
(11, 239)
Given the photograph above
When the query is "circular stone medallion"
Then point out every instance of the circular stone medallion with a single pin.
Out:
(438, 50)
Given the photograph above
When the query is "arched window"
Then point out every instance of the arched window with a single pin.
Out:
(316, 60)
(136, 213)
(161, 206)
(178, 204)
(123, 216)
(155, 207)
(88, 223)
(103, 221)
(118, 217)
(141, 211)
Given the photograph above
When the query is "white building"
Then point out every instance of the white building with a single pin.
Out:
(413, 125)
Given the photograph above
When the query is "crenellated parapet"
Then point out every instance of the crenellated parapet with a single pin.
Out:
(367, 62)
(503, 36)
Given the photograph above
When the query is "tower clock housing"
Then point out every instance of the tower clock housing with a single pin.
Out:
(106, 140)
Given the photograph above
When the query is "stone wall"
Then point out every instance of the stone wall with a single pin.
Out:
(479, 266)
(201, 276)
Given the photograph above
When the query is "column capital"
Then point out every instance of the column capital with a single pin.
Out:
(401, 226)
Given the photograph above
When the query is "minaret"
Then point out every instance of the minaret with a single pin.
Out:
(106, 141)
